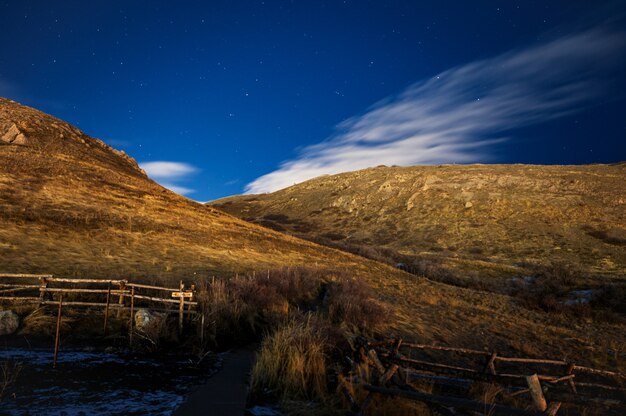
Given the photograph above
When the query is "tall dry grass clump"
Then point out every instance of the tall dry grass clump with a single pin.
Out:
(292, 362)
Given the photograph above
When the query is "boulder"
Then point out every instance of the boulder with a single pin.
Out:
(9, 322)
(143, 319)
(14, 136)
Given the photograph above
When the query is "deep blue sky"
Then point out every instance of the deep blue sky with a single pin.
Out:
(234, 88)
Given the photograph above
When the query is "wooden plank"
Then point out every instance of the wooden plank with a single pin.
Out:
(177, 301)
(142, 286)
(183, 294)
(60, 289)
(568, 377)
(530, 360)
(440, 348)
(68, 280)
(25, 275)
(600, 386)
(601, 372)
(534, 388)
(435, 365)
(9, 285)
(505, 379)
(99, 304)
(388, 374)
(371, 354)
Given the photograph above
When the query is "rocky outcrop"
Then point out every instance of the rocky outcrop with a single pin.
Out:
(14, 136)
(9, 322)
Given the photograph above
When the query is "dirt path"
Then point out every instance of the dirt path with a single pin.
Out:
(225, 393)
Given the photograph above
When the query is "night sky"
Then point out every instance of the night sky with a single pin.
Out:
(224, 97)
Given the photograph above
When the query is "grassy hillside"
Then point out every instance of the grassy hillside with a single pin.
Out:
(71, 205)
(502, 215)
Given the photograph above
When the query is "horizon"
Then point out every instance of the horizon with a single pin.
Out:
(271, 95)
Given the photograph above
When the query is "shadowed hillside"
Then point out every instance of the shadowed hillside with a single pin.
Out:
(71, 205)
(498, 214)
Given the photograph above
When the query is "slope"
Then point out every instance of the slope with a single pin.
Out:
(71, 205)
(499, 214)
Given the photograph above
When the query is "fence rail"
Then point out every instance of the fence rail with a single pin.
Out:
(81, 293)
(395, 371)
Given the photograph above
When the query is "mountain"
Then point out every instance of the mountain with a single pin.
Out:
(503, 215)
(71, 205)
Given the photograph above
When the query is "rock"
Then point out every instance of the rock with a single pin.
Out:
(468, 204)
(14, 136)
(143, 319)
(9, 322)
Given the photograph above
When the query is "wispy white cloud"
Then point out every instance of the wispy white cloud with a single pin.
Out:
(170, 174)
(455, 116)
(178, 189)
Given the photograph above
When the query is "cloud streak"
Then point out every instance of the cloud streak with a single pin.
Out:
(170, 174)
(455, 116)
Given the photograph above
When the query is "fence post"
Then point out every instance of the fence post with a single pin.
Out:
(202, 330)
(132, 314)
(491, 364)
(106, 310)
(181, 308)
(43, 286)
(121, 300)
(536, 393)
(570, 382)
(58, 332)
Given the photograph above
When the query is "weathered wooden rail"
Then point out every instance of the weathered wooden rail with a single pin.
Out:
(394, 374)
(51, 290)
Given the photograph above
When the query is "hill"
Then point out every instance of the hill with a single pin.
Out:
(73, 206)
(504, 215)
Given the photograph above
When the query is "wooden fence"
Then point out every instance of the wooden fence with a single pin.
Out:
(548, 383)
(107, 294)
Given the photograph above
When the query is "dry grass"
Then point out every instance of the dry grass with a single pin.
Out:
(351, 302)
(71, 206)
(517, 213)
(244, 306)
(43, 322)
(292, 362)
